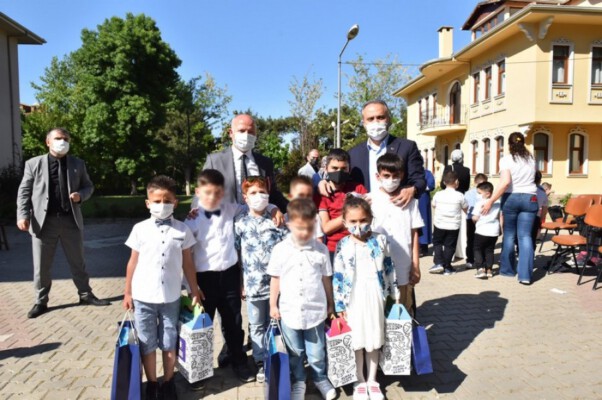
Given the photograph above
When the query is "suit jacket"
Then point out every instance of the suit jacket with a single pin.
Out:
(404, 148)
(223, 161)
(33, 195)
(463, 176)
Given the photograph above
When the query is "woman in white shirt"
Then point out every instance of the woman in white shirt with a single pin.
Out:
(519, 207)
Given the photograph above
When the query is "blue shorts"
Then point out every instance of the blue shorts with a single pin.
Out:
(157, 325)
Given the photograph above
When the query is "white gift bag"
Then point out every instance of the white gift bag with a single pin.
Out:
(340, 354)
(195, 351)
(396, 354)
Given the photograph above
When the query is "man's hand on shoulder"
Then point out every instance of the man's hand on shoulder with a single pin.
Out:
(404, 197)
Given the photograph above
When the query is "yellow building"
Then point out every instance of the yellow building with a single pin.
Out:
(533, 67)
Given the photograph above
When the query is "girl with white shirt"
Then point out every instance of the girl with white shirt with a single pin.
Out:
(519, 207)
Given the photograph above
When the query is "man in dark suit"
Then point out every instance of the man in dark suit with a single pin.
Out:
(458, 167)
(239, 161)
(48, 205)
(376, 120)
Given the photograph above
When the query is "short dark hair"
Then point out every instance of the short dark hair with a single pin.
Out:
(376, 101)
(485, 187)
(390, 162)
(479, 178)
(538, 177)
(356, 202)
(450, 177)
(337, 155)
(64, 131)
(162, 182)
(304, 209)
(300, 180)
(210, 177)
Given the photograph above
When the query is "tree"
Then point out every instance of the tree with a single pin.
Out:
(197, 107)
(306, 94)
(379, 80)
(114, 90)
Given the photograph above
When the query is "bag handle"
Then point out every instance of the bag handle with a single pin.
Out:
(128, 315)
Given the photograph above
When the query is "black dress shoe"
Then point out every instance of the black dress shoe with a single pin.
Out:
(92, 300)
(168, 390)
(223, 359)
(244, 373)
(152, 391)
(198, 386)
(37, 310)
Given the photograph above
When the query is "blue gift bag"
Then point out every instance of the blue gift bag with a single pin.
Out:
(421, 354)
(276, 365)
(127, 368)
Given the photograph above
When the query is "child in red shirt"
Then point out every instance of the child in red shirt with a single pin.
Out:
(330, 208)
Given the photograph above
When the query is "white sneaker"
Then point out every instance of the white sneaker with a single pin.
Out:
(360, 391)
(298, 391)
(374, 391)
(326, 389)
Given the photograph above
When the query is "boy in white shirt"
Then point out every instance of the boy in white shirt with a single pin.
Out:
(161, 250)
(487, 230)
(301, 297)
(400, 224)
(301, 187)
(448, 205)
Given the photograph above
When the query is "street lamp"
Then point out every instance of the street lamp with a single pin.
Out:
(351, 34)
(334, 127)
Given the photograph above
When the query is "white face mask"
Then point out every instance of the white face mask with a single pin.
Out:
(161, 210)
(244, 141)
(258, 202)
(376, 130)
(60, 147)
(390, 185)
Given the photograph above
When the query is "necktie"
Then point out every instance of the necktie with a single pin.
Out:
(243, 168)
(63, 187)
(209, 214)
(161, 222)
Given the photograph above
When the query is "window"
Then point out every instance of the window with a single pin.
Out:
(425, 158)
(475, 156)
(445, 155)
(426, 110)
(501, 77)
(458, 146)
(488, 83)
(560, 65)
(486, 155)
(477, 87)
(500, 153)
(576, 153)
(597, 66)
(420, 111)
(541, 148)
(434, 105)
(432, 160)
(455, 102)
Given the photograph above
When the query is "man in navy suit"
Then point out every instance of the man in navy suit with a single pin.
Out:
(376, 120)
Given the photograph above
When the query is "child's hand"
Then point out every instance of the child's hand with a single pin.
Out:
(275, 313)
(128, 303)
(414, 276)
(243, 293)
(278, 218)
(196, 296)
(343, 314)
(194, 212)
(330, 311)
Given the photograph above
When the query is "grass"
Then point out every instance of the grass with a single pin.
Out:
(126, 207)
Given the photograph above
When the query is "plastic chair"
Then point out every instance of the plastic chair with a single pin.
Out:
(593, 219)
(575, 207)
(566, 244)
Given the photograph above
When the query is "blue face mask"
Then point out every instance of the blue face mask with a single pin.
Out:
(359, 230)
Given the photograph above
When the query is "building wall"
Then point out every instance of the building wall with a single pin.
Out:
(10, 122)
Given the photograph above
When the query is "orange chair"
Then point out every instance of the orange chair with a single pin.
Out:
(593, 218)
(577, 207)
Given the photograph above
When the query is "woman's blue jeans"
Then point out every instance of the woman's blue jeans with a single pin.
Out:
(519, 210)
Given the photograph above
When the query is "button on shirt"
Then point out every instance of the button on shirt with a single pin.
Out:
(255, 239)
(252, 168)
(158, 275)
(214, 249)
(374, 152)
(302, 302)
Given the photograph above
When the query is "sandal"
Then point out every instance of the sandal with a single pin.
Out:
(360, 392)
(375, 393)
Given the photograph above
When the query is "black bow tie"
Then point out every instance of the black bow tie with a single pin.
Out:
(161, 222)
(209, 214)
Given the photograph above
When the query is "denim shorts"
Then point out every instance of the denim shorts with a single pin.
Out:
(157, 325)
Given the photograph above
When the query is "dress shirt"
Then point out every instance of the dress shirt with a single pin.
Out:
(303, 303)
(158, 275)
(252, 168)
(374, 152)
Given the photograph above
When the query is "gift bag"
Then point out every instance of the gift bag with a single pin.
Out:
(396, 354)
(127, 367)
(276, 365)
(340, 353)
(195, 349)
(421, 353)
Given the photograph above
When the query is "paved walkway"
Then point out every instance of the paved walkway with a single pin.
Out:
(489, 339)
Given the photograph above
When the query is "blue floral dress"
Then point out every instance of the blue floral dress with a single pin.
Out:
(363, 277)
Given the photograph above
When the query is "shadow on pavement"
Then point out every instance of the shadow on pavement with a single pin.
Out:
(70, 305)
(22, 352)
(455, 323)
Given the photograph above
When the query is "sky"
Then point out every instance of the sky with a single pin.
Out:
(252, 47)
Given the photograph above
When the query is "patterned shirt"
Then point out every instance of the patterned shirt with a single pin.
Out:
(255, 239)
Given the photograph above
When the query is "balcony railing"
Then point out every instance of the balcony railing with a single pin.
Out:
(442, 117)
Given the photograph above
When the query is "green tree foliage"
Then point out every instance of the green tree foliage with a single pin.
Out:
(306, 94)
(113, 93)
(196, 109)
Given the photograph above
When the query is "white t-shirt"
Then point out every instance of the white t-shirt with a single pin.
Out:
(397, 224)
(488, 224)
(522, 172)
(448, 204)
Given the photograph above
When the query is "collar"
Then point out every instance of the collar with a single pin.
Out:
(53, 158)
(155, 220)
(371, 146)
(238, 154)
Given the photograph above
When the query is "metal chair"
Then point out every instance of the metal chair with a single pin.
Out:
(593, 220)
(575, 207)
